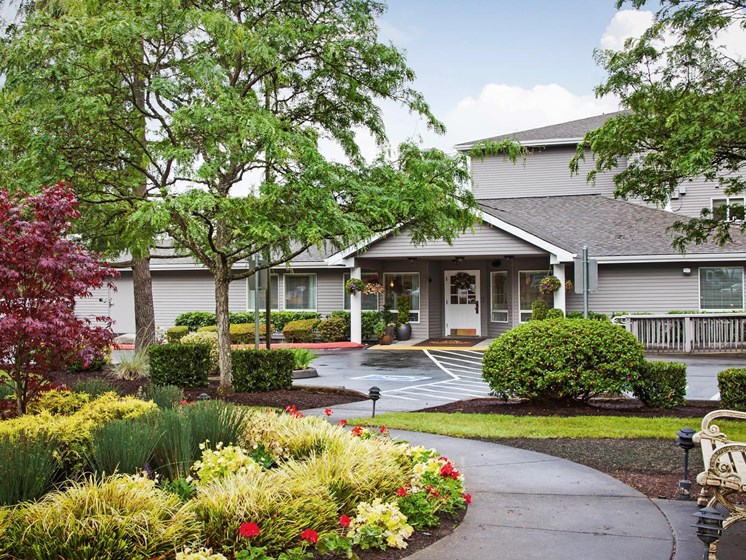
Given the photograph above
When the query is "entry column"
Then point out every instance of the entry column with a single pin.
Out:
(356, 310)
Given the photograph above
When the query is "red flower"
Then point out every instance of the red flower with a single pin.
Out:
(328, 411)
(401, 491)
(310, 535)
(343, 422)
(344, 521)
(383, 430)
(357, 430)
(434, 491)
(294, 412)
(455, 474)
(248, 530)
(446, 470)
(467, 498)
(183, 402)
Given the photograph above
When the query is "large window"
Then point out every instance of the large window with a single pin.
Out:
(720, 288)
(370, 301)
(728, 209)
(404, 283)
(300, 292)
(528, 290)
(499, 297)
(273, 284)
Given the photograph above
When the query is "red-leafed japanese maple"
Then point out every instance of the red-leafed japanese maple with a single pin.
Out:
(42, 271)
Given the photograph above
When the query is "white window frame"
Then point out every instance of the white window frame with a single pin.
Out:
(699, 288)
(503, 273)
(250, 291)
(345, 296)
(285, 293)
(520, 285)
(418, 311)
(728, 201)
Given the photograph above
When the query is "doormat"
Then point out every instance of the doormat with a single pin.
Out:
(452, 341)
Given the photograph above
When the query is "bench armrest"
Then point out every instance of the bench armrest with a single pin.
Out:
(712, 431)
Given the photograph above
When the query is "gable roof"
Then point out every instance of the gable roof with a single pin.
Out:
(570, 132)
(613, 229)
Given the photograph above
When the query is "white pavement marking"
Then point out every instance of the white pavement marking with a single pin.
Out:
(465, 370)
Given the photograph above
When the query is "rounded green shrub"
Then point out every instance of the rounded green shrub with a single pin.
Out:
(300, 331)
(539, 310)
(195, 319)
(333, 329)
(563, 359)
(175, 334)
(118, 518)
(210, 338)
(555, 314)
(732, 386)
(661, 384)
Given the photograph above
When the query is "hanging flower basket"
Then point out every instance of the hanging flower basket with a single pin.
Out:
(354, 285)
(462, 281)
(549, 285)
(568, 286)
(373, 288)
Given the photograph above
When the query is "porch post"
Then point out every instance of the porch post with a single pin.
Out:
(356, 310)
(559, 295)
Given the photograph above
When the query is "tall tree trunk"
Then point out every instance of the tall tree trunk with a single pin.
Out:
(222, 283)
(142, 284)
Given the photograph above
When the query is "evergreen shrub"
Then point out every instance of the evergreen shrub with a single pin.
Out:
(175, 334)
(332, 329)
(183, 365)
(563, 359)
(661, 384)
(539, 310)
(300, 331)
(262, 370)
(732, 386)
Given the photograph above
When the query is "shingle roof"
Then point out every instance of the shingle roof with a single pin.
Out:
(570, 131)
(610, 227)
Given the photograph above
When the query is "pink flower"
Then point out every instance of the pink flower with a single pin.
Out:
(328, 411)
(310, 535)
(343, 422)
(467, 498)
(248, 530)
(344, 521)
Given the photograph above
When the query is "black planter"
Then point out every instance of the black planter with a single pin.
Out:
(404, 332)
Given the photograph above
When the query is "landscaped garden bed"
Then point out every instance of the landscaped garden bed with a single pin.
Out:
(187, 477)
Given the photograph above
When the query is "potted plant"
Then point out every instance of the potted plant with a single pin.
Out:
(354, 286)
(549, 285)
(384, 333)
(404, 330)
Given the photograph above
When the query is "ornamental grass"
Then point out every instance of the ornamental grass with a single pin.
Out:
(119, 518)
(284, 508)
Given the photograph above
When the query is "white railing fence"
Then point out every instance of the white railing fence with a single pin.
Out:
(713, 332)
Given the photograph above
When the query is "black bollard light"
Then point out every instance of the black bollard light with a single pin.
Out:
(684, 440)
(374, 393)
(709, 527)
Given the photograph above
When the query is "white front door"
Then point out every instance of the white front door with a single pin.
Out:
(462, 303)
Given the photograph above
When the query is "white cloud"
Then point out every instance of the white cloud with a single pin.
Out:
(501, 108)
(625, 24)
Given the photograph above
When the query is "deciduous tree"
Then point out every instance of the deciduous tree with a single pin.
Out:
(685, 92)
(42, 271)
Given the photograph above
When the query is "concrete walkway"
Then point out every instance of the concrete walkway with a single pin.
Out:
(528, 506)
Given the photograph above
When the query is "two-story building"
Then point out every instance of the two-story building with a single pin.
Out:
(534, 219)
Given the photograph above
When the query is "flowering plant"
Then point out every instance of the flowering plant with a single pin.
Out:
(201, 554)
(568, 286)
(549, 285)
(220, 462)
(355, 285)
(379, 525)
(441, 482)
(373, 288)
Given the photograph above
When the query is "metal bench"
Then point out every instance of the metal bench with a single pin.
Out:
(724, 476)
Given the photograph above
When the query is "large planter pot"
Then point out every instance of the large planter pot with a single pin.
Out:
(386, 339)
(404, 332)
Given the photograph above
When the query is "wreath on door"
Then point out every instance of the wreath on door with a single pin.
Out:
(462, 281)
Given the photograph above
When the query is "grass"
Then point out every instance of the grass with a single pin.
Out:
(498, 426)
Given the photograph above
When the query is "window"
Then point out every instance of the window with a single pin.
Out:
(499, 297)
(528, 290)
(405, 283)
(370, 301)
(720, 288)
(728, 209)
(274, 289)
(300, 292)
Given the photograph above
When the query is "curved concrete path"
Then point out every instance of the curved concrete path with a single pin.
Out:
(530, 506)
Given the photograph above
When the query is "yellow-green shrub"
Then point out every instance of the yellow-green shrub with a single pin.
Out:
(300, 331)
(241, 333)
(6, 520)
(57, 401)
(282, 508)
(203, 336)
(354, 471)
(72, 434)
(119, 518)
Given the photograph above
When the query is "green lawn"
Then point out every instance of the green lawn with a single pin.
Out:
(496, 426)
